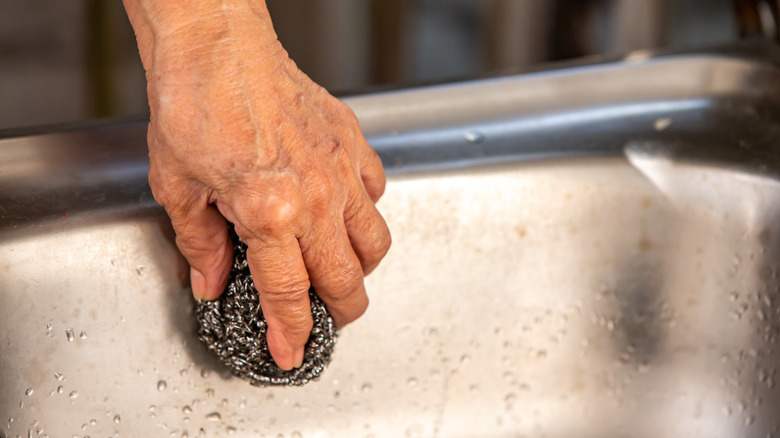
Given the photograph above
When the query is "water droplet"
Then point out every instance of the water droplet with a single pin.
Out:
(230, 430)
(60, 389)
(205, 373)
(117, 419)
(83, 335)
(187, 410)
(727, 411)
(183, 372)
(412, 381)
(214, 416)
(465, 359)
(734, 296)
(185, 434)
(474, 137)
(69, 334)
(73, 394)
(59, 376)
(201, 433)
(48, 326)
(510, 399)
(29, 392)
(749, 420)
(161, 385)
(223, 403)
(242, 402)
(93, 422)
(210, 392)
(366, 387)
(140, 270)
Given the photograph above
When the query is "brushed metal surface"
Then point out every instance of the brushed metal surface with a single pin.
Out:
(589, 252)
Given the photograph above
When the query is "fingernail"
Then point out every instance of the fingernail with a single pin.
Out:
(198, 283)
(298, 357)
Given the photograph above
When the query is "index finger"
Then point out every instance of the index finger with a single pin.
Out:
(281, 279)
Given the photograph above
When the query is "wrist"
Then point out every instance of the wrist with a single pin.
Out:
(174, 34)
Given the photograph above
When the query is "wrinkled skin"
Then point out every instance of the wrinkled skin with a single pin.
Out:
(239, 133)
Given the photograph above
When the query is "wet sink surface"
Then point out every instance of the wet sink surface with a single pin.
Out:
(564, 264)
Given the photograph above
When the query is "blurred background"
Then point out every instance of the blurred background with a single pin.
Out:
(68, 61)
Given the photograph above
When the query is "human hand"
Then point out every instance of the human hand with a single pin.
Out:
(237, 132)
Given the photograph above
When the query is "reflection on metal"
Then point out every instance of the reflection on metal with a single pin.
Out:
(606, 278)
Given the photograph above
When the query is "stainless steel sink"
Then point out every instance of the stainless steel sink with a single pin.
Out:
(587, 252)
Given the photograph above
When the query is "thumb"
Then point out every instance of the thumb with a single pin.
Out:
(201, 235)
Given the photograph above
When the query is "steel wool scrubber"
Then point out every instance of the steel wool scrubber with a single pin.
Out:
(234, 328)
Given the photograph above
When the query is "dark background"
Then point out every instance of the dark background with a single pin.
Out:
(68, 61)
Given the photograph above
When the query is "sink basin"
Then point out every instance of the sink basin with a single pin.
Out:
(586, 252)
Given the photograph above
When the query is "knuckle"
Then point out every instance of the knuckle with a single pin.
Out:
(299, 327)
(210, 247)
(345, 281)
(373, 161)
(171, 194)
(381, 186)
(288, 291)
(279, 214)
(375, 186)
(291, 308)
(269, 213)
(355, 313)
(188, 242)
(379, 244)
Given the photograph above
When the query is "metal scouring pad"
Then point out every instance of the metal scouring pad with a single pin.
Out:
(234, 328)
